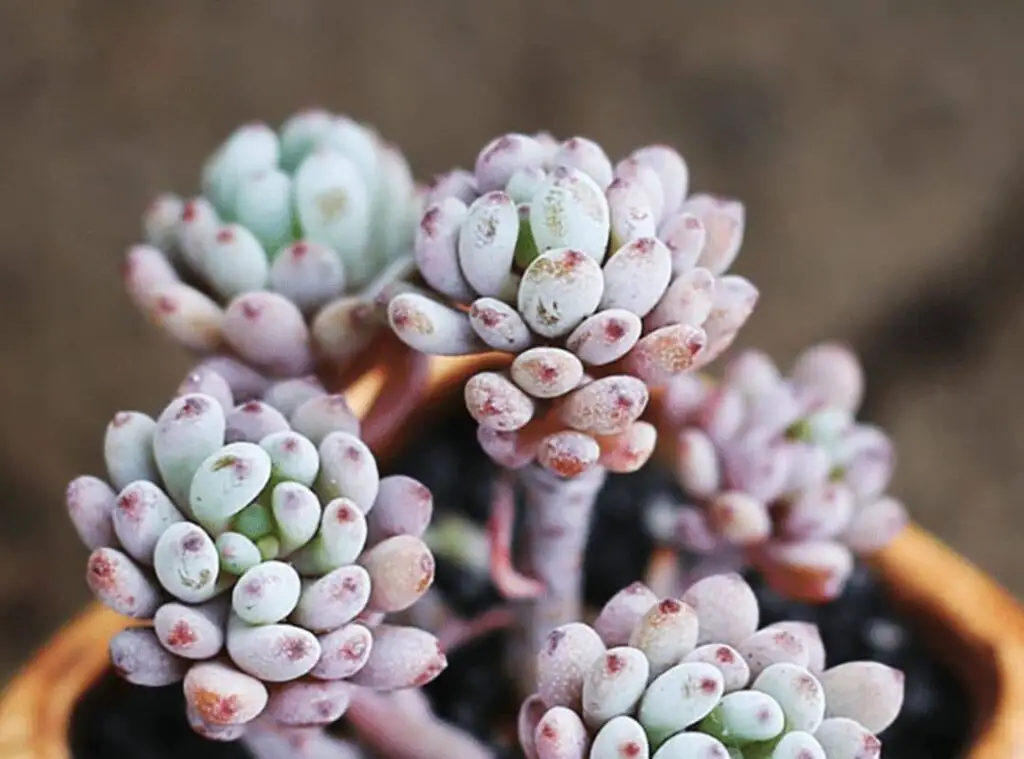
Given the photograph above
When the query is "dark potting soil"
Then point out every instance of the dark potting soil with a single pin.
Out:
(115, 720)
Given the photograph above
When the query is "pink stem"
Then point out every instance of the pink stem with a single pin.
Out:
(401, 394)
(267, 740)
(459, 632)
(509, 582)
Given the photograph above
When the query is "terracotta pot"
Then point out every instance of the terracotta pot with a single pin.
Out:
(975, 625)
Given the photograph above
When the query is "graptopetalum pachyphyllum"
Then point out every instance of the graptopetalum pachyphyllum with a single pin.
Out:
(604, 282)
(284, 264)
(261, 550)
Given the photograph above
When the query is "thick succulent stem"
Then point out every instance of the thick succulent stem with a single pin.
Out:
(558, 516)
(267, 740)
(401, 394)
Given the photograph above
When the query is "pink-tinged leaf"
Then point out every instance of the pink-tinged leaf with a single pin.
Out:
(696, 463)
(141, 513)
(605, 337)
(569, 210)
(293, 457)
(773, 646)
(683, 397)
(191, 632)
(631, 215)
(345, 327)
(221, 695)
(568, 454)
(530, 713)
(401, 570)
(568, 653)
(672, 171)
(487, 242)
(308, 274)
(633, 170)
(812, 570)
(321, 415)
(752, 372)
(436, 248)
(160, 220)
(546, 372)
(587, 156)
(502, 157)
(509, 582)
(830, 374)
(252, 421)
(348, 469)
(868, 692)
(273, 653)
(809, 466)
(493, 401)
(620, 614)
(688, 300)
(288, 395)
(724, 220)
(728, 661)
(523, 185)
(458, 184)
(636, 275)
(145, 272)
(816, 513)
(756, 464)
(509, 450)
(233, 262)
(686, 237)
(404, 506)
(401, 657)
(268, 330)
(189, 317)
(499, 325)
(735, 299)
(868, 456)
(875, 525)
(726, 608)
(90, 504)
(308, 703)
(430, 327)
(197, 225)
(666, 352)
(120, 585)
(244, 381)
(339, 542)
(808, 634)
(629, 450)
(560, 734)
(205, 380)
(343, 652)
(266, 593)
(138, 657)
(666, 633)
(620, 738)
(189, 429)
(606, 406)
(722, 415)
(560, 289)
(843, 738)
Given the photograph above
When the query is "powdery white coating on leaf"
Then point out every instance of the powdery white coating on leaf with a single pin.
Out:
(227, 481)
(494, 401)
(745, 717)
(696, 464)
(560, 289)
(348, 469)
(569, 210)
(685, 235)
(605, 337)
(344, 327)
(735, 299)
(233, 261)
(773, 646)
(189, 317)
(723, 414)
(160, 220)
(568, 454)
(269, 332)
(344, 652)
(244, 381)
(252, 421)
(810, 636)
(666, 352)
(90, 503)
(868, 692)
(302, 704)
(726, 608)
(321, 415)
(794, 745)
(739, 518)
(629, 450)
(191, 632)
(138, 657)
(728, 661)
(546, 372)
(339, 541)
(587, 156)
(672, 171)
(633, 170)
(665, 634)
(724, 220)
(631, 215)
(141, 513)
(334, 600)
(197, 224)
(510, 450)
(620, 738)
(274, 653)
(293, 457)
(250, 147)
(430, 327)
(119, 584)
(401, 570)
(817, 512)
(683, 398)
(687, 300)
(404, 506)
(831, 374)
(267, 593)
(186, 563)
(843, 738)
(128, 448)
(296, 512)
(756, 463)
(752, 372)
(560, 734)
(530, 713)
(402, 657)
(504, 156)
(692, 746)
(436, 247)
(308, 274)
(264, 205)
(679, 698)
(868, 456)
(621, 613)
(875, 525)
(221, 695)
(458, 183)
(636, 275)
(237, 553)
(288, 395)
(487, 242)
(499, 325)
(613, 685)
(568, 653)
(821, 566)
(606, 406)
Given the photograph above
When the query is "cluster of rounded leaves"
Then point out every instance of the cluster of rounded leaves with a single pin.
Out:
(264, 548)
(602, 279)
(696, 679)
(780, 466)
(295, 237)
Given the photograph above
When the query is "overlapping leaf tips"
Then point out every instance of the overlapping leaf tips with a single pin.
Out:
(694, 678)
(780, 466)
(281, 257)
(259, 541)
(586, 271)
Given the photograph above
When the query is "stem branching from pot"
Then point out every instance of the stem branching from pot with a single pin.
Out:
(694, 678)
(779, 472)
(262, 549)
(603, 282)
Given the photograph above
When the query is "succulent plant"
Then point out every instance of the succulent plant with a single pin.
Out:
(694, 678)
(261, 549)
(291, 251)
(779, 469)
(602, 281)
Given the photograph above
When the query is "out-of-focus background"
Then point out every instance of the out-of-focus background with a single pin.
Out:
(879, 148)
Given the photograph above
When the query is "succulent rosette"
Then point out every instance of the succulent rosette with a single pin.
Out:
(261, 549)
(779, 468)
(282, 259)
(695, 678)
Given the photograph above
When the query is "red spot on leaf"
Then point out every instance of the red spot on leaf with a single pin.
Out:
(555, 638)
(724, 655)
(225, 235)
(181, 635)
(253, 407)
(251, 310)
(692, 223)
(670, 606)
(630, 749)
(189, 211)
(614, 664)
(191, 408)
(128, 503)
(614, 330)
(191, 543)
(299, 250)
(103, 572)
(166, 305)
(122, 418)
(294, 648)
(708, 685)
(346, 514)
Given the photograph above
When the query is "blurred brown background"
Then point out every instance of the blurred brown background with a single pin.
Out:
(880, 152)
